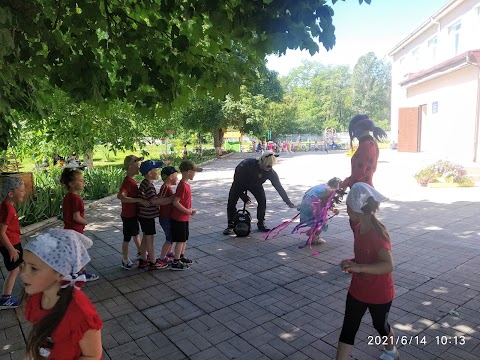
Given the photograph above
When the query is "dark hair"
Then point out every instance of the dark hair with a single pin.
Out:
(361, 123)
(68, 175)
(46, 326)
(371, 208)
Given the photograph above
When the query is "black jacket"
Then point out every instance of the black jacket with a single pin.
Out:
(248, 175)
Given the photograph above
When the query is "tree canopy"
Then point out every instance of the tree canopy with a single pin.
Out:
(147, 52)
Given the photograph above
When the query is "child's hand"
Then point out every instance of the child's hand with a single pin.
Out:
(144, 202)
(193, 212)
(350, 266)
(291, 206)
(336, 211)
(14, 254)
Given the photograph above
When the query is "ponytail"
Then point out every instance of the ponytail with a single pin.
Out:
(379, 134)
(46, 326)
(361, 123)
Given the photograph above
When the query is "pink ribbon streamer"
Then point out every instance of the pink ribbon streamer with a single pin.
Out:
(320, 218)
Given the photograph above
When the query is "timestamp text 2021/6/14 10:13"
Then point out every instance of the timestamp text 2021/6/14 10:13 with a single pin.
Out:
(417, 340)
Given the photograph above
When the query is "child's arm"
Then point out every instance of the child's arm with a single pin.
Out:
(176, 203)
(383, 266)
(78, 218)
(162, 200)
(122, 196)
(14, 253)
(91, 345)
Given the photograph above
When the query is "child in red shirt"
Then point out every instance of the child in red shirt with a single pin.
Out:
(12, 190)
(169, 176)
(66, 324)
(372, 283)
(181, 212)
(364, 161)
(128, 195)
(73, 208)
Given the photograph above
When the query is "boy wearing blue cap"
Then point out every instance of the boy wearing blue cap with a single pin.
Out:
(148, 213)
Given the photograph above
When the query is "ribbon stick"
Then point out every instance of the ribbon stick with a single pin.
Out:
(315, 224)
(279, 228)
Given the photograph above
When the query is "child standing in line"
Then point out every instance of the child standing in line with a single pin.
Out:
(169, 176)
(181, 212)
(65, 322)
(73, 207)
(147, 214)
(128, 195)
(372, 282)
(12, 190)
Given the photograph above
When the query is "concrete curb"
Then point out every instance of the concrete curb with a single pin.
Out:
(32, 228)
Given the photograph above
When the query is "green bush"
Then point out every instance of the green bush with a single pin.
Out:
(443, 171)
(49, 193)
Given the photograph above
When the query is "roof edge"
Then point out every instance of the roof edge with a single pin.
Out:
(471, 57)
(422, 27)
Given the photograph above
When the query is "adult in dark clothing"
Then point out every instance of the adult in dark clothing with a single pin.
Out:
(250, 175)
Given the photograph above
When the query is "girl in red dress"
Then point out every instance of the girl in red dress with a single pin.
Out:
(372, 282)
(73, 207)
(65, 323)
(364, 161)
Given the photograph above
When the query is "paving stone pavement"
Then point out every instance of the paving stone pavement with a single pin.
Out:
(247, 298)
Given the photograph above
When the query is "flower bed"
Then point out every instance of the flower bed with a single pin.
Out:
(444, 172)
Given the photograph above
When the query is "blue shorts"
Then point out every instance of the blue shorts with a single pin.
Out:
(166, 225)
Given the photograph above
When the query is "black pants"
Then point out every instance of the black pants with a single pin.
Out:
(354, 311)
(236, 192)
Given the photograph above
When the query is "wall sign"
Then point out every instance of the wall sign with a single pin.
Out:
(434, 107)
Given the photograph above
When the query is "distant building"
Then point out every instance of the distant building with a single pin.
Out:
(436, 84)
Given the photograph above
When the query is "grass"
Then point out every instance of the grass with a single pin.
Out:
(103, 157)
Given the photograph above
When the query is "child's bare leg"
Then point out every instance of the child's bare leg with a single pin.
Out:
(138, 243)
(10, 281)
(143, 247)
(179, 249)
(125, 250)
(165, 249)
(150, 248)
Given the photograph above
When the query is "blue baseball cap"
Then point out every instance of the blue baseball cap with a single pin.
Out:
(149, 165)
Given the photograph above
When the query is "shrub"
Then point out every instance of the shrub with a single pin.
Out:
(443, 171)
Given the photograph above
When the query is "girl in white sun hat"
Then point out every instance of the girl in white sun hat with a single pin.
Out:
(372, 283)
(65, 323)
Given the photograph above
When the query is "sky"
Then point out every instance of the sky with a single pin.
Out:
(359, 29)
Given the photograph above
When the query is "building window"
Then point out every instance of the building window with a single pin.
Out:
(432, 49)
(454, 33)
(416, 59)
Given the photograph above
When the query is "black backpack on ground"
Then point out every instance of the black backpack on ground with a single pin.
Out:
(242, 222)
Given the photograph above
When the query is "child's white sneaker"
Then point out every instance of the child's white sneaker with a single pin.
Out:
(390, 354)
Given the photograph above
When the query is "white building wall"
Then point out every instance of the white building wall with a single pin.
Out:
(418, 54)
(449, 132)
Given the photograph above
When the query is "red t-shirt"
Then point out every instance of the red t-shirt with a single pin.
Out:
(165, 210)
(71, 204)
(370, 288)
(129, 188)
(80, 317)
(8, 216)
(185, 194)
(364, 162)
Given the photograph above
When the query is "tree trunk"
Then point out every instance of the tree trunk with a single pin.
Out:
(218, 140)
(88, 159)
